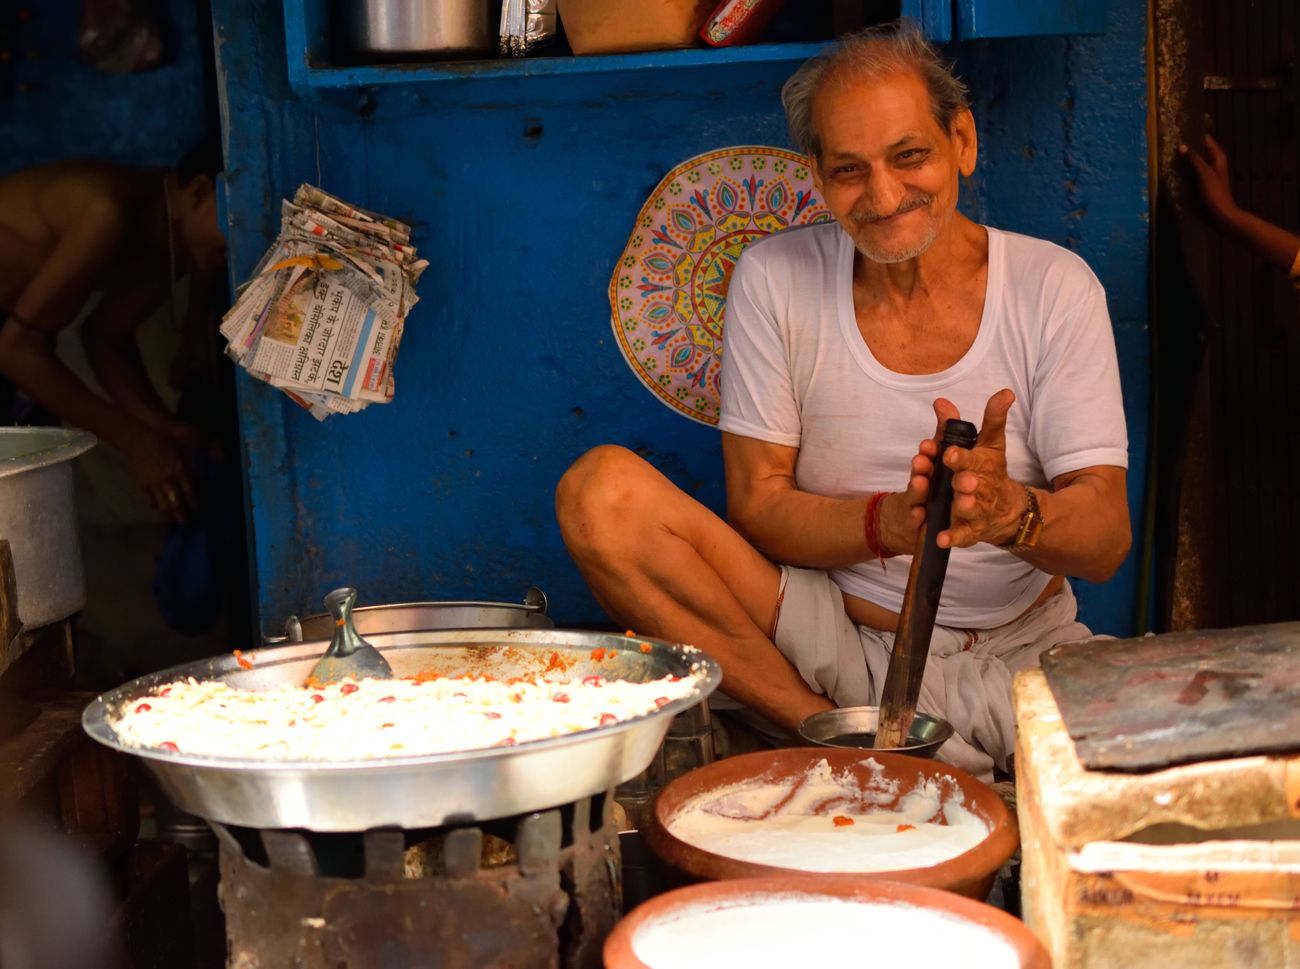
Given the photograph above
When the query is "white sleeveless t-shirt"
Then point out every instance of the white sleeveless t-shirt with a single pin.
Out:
(797, 372)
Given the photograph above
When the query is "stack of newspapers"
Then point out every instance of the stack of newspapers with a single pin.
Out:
(322, 316)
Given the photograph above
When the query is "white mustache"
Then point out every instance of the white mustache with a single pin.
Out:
(907, 205)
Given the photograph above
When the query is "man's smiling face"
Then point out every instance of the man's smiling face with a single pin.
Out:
(888, 171)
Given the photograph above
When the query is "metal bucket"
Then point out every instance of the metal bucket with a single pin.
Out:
(412, 617)
(38, 518)
(445, 27)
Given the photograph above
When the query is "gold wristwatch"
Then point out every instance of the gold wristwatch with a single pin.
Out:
(1031, 525)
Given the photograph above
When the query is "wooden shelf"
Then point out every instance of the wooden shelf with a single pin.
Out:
(305, 36)
(367, 76)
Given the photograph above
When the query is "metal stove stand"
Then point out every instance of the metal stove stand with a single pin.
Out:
(538, 891)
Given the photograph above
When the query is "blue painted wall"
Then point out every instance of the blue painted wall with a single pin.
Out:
(61, 107)
(1064, 157)
(523, 192)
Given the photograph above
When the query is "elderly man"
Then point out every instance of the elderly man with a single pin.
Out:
(844, 343)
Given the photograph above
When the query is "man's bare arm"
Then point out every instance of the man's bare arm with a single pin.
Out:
(1086, 529)
(1269, 241)
(46, 305)
(797, 528)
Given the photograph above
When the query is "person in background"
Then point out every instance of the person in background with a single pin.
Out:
(1270, 242)
(109, 242)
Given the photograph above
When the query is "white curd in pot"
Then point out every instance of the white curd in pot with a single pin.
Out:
(787, 931)
(823, 822)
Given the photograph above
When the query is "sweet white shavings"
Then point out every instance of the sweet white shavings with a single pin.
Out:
(821, 821)
(382, 718)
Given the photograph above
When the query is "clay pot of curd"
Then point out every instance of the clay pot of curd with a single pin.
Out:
(961, 848)
(776, 923)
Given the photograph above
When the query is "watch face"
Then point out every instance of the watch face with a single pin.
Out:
(1030, 529)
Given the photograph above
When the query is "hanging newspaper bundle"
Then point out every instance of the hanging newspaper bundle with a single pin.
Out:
(322, 316)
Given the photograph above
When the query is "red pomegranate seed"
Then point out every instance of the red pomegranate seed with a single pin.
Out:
(317, 698)
(661, 701)
(348, 688)
(593, 681)
(168, 745)
(491, 715)
(561, 698)
(607, 718)
(165, 691)
(143, 708)
(508, 742)
(388, 699)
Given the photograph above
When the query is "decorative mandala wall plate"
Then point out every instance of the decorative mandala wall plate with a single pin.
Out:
(670, 286)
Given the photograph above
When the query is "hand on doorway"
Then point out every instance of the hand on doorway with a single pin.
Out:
(1213, 179)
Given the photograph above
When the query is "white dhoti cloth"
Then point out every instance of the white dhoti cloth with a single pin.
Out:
(967, 677)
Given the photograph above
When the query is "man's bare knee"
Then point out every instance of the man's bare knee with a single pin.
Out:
(601, 496)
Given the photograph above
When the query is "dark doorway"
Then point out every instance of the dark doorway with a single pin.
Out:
(1227, 323)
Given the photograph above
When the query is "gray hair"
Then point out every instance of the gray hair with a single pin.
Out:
(872, 53)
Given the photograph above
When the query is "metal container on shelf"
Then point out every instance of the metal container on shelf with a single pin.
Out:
(448, 28)
(39, 519)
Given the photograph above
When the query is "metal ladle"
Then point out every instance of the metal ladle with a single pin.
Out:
(349, 656)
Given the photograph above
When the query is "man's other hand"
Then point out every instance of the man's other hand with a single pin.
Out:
(158, 463)
(987, 505)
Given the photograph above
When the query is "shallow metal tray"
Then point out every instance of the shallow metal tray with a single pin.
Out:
(431, 790)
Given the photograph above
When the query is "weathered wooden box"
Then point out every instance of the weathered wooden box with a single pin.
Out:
(1191, 867)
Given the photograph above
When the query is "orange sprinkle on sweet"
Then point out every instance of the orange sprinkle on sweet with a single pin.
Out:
(629, 634)
(598, 654)
(646, 647)
(906, 827)
(840, 821)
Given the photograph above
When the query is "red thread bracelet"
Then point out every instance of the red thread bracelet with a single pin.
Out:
(871, 527)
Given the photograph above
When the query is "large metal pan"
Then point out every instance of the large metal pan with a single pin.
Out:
(427, 791)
